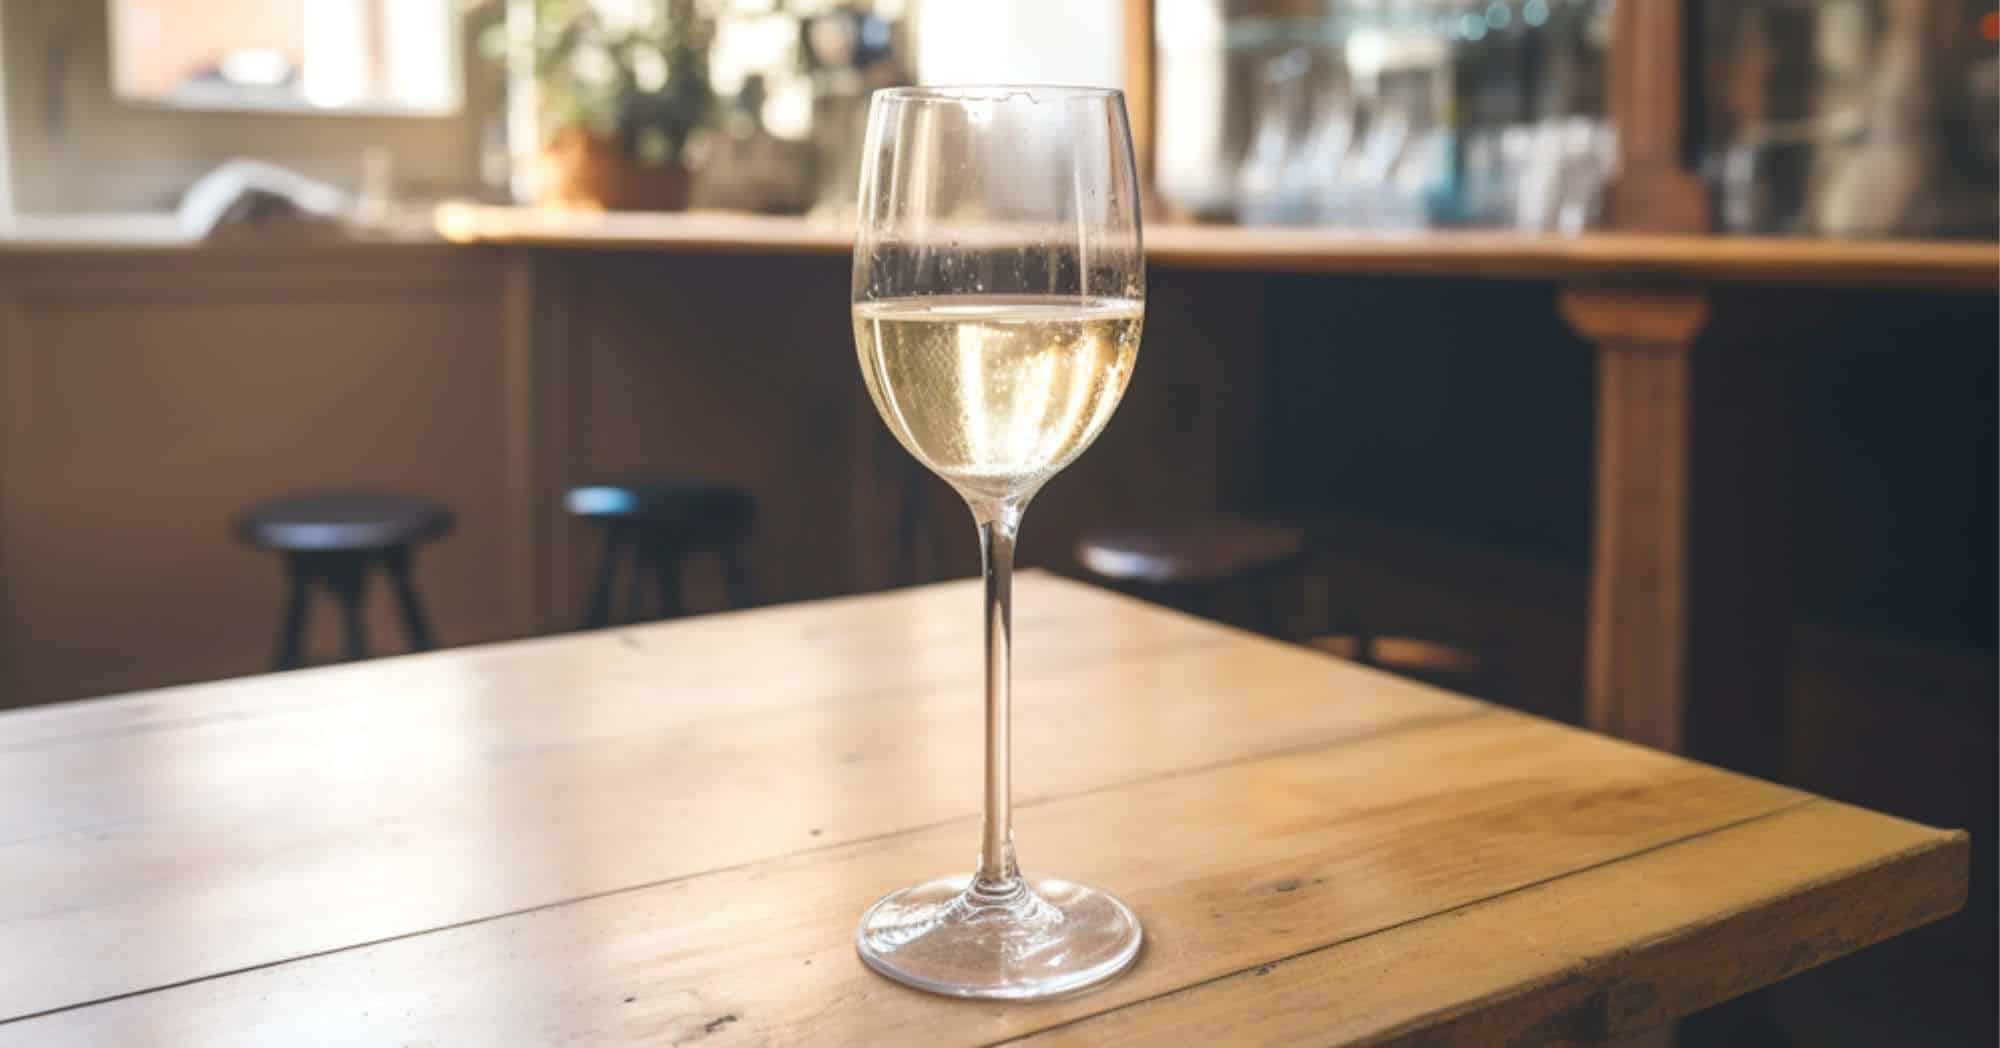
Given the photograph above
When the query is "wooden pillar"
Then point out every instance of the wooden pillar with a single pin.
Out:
(1635, 682)
(1652, 190)
(1690, 601)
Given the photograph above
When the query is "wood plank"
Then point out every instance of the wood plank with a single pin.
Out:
(181, 833)
(1638, 257)
(1602, 953)
(1231, 867)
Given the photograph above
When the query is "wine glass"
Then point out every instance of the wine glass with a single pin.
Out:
(999, 287)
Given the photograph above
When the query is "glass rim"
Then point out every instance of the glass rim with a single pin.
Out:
(994, 93)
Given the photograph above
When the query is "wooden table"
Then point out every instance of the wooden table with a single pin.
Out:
(665, 833)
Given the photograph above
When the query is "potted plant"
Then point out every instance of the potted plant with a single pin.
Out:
(621, 88)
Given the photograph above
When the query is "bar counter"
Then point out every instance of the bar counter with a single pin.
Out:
(153, 388)
(1768, 261)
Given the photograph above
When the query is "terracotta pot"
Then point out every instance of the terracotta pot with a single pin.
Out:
(580, 169)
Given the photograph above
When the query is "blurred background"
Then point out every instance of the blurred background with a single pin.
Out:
(1827, 117)
(334, 328)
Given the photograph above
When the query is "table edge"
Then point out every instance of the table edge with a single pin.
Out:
(1937, 853)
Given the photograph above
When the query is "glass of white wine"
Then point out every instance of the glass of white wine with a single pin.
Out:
(999, 285)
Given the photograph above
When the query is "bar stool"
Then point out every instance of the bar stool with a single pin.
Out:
(655, 524)
(332, 540)
(1192, 562)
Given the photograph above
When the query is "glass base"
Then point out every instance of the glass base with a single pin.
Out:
(1048, 938)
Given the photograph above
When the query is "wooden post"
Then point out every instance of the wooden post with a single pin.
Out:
(1635, 680)
(1690, 601)
(1652, 190)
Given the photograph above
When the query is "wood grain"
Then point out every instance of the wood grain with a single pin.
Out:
(1629, 257)
(566, 767)
(554, 841)
(1634, 931)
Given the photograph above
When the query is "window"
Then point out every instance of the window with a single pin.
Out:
(369, 56)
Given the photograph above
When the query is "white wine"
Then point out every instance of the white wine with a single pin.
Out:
(995, 393)
(1029, 191)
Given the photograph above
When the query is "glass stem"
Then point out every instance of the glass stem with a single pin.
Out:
(998, 880)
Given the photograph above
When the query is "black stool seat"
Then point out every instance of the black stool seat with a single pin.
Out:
(699, 505)
(1197, 552)
(657, 521)
(347, 522)
(1191, 561)
(332, 540)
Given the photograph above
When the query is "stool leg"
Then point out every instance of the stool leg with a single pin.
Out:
(736, 578)
(298, 604)
(597, 608)
(643, 555)
(667, 578)
(348, 579)
(397, 563)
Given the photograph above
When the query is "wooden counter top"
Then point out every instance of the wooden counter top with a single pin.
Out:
(641, 230)
(657, 833)
(103, 232)
(1599, 257)
(110, 235)
(1942, 265)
